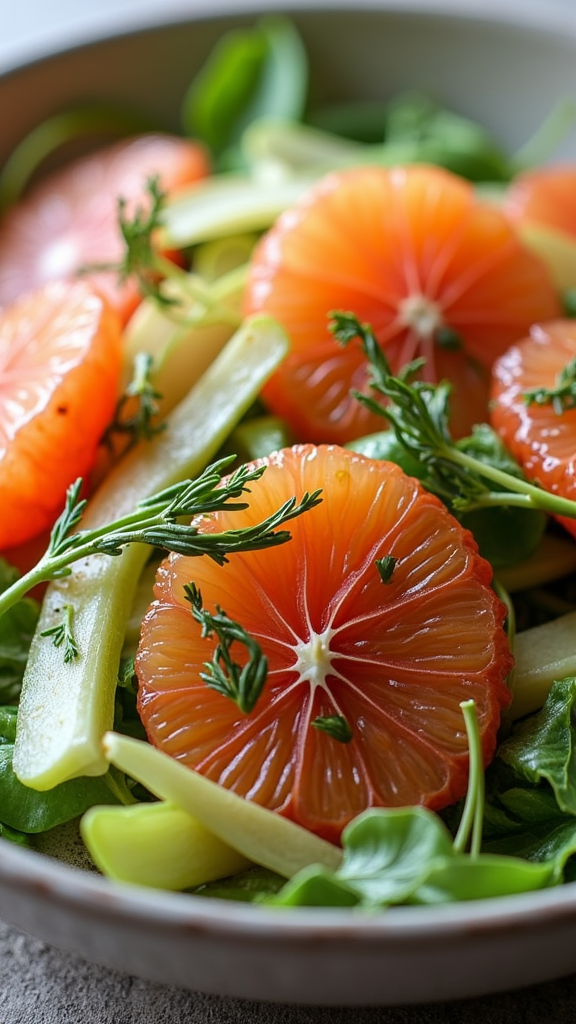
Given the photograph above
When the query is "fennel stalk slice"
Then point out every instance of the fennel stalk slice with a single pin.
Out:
(66, 708)
(260, 835)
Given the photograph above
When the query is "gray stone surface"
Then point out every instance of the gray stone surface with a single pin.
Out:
(40, 985)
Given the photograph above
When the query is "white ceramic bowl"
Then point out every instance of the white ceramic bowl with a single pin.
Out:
(507, 70)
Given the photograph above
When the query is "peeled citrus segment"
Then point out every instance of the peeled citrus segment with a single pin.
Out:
(65, 708)
(541, 439)
(544, 196)
(70, 219)
(393, 659)
(60, 351)
(436, 271)
(556, 248)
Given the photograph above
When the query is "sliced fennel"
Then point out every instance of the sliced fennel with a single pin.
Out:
(543, 654)
(260, 835)
(66, 708)
(227, 205)
(185, 338)
(157, 845)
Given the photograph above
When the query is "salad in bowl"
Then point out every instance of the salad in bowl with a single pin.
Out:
(287, 535)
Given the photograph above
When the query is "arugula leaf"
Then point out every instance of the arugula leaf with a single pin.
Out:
(16, 631)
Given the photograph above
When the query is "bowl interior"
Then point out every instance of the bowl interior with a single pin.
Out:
(494, 67)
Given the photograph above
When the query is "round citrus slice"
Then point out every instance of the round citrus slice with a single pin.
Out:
(413, 252)
(367, 668)
(70, 219)
(60, 356)
(544, 195)
(540, 434)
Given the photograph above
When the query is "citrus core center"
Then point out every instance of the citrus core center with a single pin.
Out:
(313, 657)
(420, 314)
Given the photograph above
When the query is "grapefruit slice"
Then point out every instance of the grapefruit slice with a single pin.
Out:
(545, 196)
(542, 439)
(391, 660)
(60, 359)
(413, 252)
(70, 219)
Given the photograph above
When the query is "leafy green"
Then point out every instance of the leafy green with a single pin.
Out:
(406, 855)
(433, 134)
(251, 73)
(16, 631)
(251, 886)
(29, 811)
(543, 747)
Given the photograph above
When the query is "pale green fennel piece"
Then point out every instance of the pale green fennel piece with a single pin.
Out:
(260, 835)
(226, 205)
(542, 655)
(65, 709)
(157, 845)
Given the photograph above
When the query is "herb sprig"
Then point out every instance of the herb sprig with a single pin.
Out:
(418, 413)
(158, 521)
(241, 683)
(141, 422)
(562, 397)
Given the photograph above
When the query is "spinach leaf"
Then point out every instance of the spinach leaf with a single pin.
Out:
(27, 810)
(441, 136)
(251, 886)
(17, 627)
(14, 836)
(543, 747)
(250, 74)
(487, 875)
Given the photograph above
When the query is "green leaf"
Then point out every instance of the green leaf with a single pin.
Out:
(14, 836)
(472, 878)
(16, 631)
(251, 73)
(315, 886)
(542, 747)
(31, 811)
(8, 716)
(388, 852)
(252, 886)
(505, 535)
(441, 136)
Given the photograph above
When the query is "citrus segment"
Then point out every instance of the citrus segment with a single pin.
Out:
(70, 219)
(394, 659)
(541, 439)
(60, 353)
(545, 196)
(413, 252)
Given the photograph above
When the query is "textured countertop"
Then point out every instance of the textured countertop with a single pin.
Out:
(39, 984)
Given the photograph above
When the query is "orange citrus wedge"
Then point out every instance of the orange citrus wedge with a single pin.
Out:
(541, 439)
(393, 659)
(60, 355)
(412, 251)
(545, 195)
(70, 219)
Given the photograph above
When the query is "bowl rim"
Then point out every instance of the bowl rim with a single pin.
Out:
(52, 43)
(23, 869)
